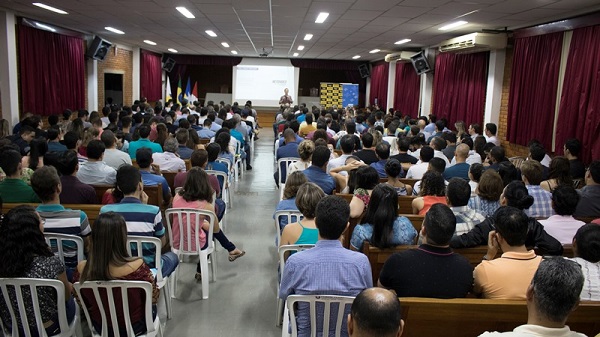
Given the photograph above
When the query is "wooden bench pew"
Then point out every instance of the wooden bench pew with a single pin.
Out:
(424, 317)
(91, 210)
(405, 204)
(155, 195)
(405, 181)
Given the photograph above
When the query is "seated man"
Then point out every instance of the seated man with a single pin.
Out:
(572, 148)
(317, 174)
(490, 134)
(94, 171)
(182, 136)
(461, 168)
(586, 248)
(169, 159)
(328, 268)
(438, 144)
(432, 270)
(141, 219)
(490, 275)
(589, 204)
(144, 131)
(113, 157)
(289, 150)
(563, 226)
(213, 150)
(206, 132)
(458, 193)
(375, 312)
(382, 151)
(416, 171)
(151, 173)
(551, 296)
(532, 176)
(22, 140)
(367, 154)
(12, 188)
(347, 144)
(403, 156)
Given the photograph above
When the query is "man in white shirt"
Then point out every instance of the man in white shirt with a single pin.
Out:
(347, 146)
(490, 134)
(563, 226)
(438, 144)
(95, 171)
(113, 157)
(474, 131)
(416, 171)
(552, 295)
(169, 160)
(473, 158)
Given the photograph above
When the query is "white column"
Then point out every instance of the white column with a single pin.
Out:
(9, 84)
(391, 85)
(494, 86)
(368, 92)
(135, 79)
(427, 85)
(92, 85)
(567, 37)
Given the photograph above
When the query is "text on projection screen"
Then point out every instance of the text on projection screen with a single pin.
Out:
(263, 85)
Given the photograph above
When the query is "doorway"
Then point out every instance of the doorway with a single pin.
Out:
(113, 89)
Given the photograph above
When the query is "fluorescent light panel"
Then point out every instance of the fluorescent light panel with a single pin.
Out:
(152, 43)
(210, 33)
(374, 51)
(355, 57)
(296, 54)
(49, 8)
(225, 44)
(453, 25)
(234, 52)
(403, 41)
(114, 30)
(307, 37)
(300, 47)
(185, 12)
(321, 17)
(46, 27)
(172, 50)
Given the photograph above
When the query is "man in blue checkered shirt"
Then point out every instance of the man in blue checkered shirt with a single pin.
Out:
(532, 174)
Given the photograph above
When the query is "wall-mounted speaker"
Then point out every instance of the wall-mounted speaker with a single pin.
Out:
(420, 63)
(168, 64)
(98, 49)
(363, 69)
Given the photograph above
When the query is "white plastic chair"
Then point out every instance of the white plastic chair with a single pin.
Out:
(286, 162)
(283, 250)
(32, 284)
(289, 215)
(161, 282)
(58, 243)
(276, 148)
(326, 300)
(107, 288)
(229, 165)
(186, 240)
(238, 166)
(225, 189)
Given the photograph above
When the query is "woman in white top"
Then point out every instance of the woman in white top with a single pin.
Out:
(305, 150)
(586, 246)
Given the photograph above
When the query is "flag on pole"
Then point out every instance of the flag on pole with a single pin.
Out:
(179, 95)
(188, 91)
(168, 90)
(194, 94)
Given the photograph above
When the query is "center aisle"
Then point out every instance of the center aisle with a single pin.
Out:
(242, 300)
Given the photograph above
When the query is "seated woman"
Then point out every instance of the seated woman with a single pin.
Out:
(366, 180)
(475, 172)
(292, 184)
(488, 191)
(25, 254)
(347, 183)
(35, 158)
(393, 169)
(559, 174)
(433, 191)
(305, 150)
(108, 260)
(304, 231)
(197, 193)
(381, 225)
(586, 246)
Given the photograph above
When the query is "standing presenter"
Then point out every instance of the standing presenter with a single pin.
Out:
(286, 100)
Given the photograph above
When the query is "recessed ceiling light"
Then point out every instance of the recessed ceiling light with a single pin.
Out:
(172, 50)
(185, 12)
(453, 25)
(296, 54)
(307, 37)
(300, 47)
(210, 33)
(46, 27)
(374, 51)
(150, 42)
(114, 30)
(355, 57)
(50, 8)
(321, 17)
(225, 44)
(234, 52)
(402, 41)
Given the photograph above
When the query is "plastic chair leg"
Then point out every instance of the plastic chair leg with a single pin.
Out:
(204, 270)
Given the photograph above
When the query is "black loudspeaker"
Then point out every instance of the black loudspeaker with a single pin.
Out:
(420, 63)
(168, 64)
(98, 49)
(363, 69)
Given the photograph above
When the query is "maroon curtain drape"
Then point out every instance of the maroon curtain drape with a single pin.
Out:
(379, 84)
(579, 113)
(459, 87)
(406, 97)
(51, 71)
(151, 75)
(533, 85)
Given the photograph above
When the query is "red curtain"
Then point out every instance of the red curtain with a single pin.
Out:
(51, 71)
(406, 97)
(579, 113)
(533, 85)
(151, 75)
(379, 84)
(459, 87)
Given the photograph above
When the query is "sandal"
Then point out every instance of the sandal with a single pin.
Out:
(198, 277)
(233, 257)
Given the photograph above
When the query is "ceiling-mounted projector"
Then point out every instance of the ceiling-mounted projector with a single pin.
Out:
(265, 52)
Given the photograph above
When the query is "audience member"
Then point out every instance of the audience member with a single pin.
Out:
(95, 171)
(433, 191)
(288, 203)
(347, 145)
(288, 150)
(213, 150)
(73, 191)
(475, 131)
(451, 146)
(367, 154)
(151, 173)
(403, 148)
(12, 188)
(143, 141)
(383, 153)
(304, 231)
(438, 144)
(496, 156)
(432, 270)
(54, 137)
(113, 157)
(572, 149)
(475, 172)
(375, 312)
(490, 134)
(461, 168)
(457, 196)
(589, 204)
(366, 179)
(394, 171)
(23, 138)
(531, 173)
(317, 174)
(563, 226)
(417, 171)
(182, 136)
(487, 194)
(586, 247)
(558, 174)
(305, 150)
(169, 160)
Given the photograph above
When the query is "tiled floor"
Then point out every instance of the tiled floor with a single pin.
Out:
(242, 300)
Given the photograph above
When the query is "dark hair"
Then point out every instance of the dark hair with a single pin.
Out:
(381, 213)
(574, 146)
(476, 170)
(197, 186)
(512, 223)
(439, 143)
(199, 158)
(492, 128)
(468, 141)
(70, 139)
(449, 137)
(403, 144)
(21, 241)
(533, 171)
(508, 172)
(458, 192)
(383, 151)
(331, 217)
(477, 128)
(393, 168)
(426, 154)
(437, 164)
(440, 224)
(128, 179)
(587, 241)
(594, 169)
(126, 121)
(10, 160)
(308, 196)
(490, 186)
(433, 184)
(293, 183)
(517, 196)
(95, 149)
(347, 143)
(560, 169)
(223, 140)
(497, 152)
(537, 152)
(367, 140)
(366, 177)
(320, 156)
(53, 132)
(108, 138)
(565, 199)
(144, 130)
(143, 157)
(213, 150)
(38, 148)
(68, 163)
(376, 315)
(44, 182)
